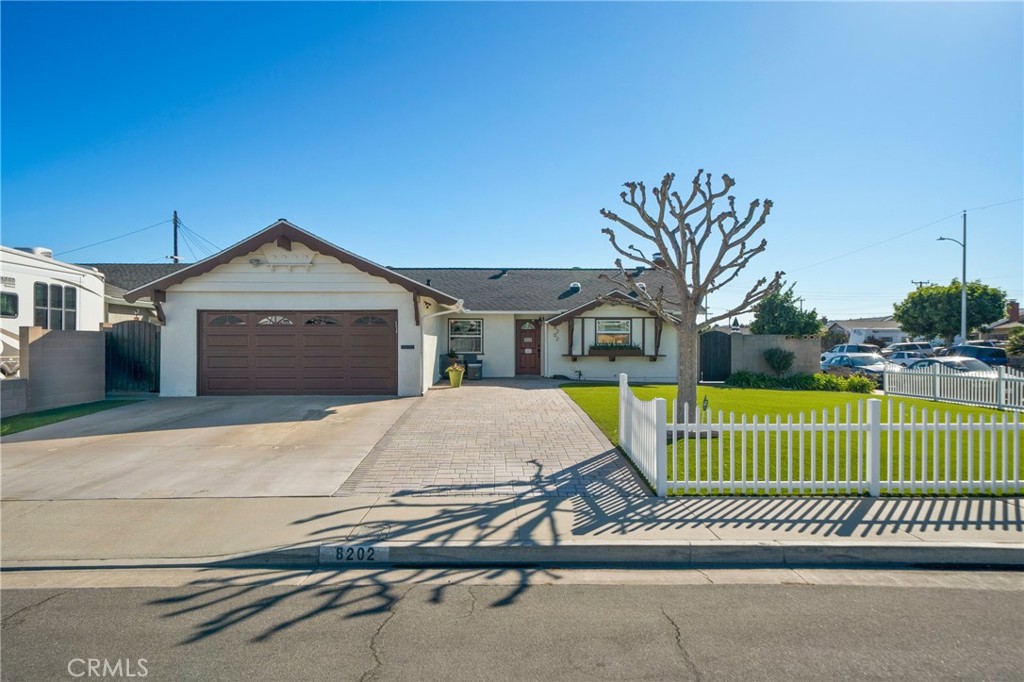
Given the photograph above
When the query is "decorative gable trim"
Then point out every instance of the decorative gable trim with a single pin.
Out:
(615, 297)
(282, 234)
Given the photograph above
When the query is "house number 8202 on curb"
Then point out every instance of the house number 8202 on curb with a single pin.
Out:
(353, 554)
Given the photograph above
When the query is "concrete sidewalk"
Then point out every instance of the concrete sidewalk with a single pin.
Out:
(513, 531)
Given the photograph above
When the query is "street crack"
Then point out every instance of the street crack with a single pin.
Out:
(472, 604)
(8, 620)
(377, 663)
(690, 664)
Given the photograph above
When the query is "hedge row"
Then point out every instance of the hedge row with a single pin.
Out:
(801, 382)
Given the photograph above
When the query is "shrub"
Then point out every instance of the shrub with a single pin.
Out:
(1015, 342)
(752, 380)
(857, 384)
(779, 359)
(828, 382)
(801, 382)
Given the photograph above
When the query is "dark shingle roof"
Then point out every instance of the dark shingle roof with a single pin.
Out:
(526, 289)
(122, 277)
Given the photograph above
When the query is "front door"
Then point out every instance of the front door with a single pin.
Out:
(527, 347)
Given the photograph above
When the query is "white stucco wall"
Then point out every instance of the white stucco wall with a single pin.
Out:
(499, 356)
(327, 284)
(430, 327)
(601, 368)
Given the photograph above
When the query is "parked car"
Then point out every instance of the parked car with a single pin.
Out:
(987, 354)
(844, 348)
(905, 358)
(870, 365)
(960, 364)
(918, 346)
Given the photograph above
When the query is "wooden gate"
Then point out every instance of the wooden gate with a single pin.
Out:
(133, 357)
(715, 356)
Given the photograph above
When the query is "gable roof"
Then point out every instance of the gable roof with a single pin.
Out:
(616, 297)
(886, 322)
(535, 290)
(123, 277)
(284, 233)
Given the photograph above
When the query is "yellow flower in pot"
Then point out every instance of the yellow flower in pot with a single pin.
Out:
(455, 374)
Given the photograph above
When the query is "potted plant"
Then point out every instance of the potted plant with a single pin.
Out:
(455, 374)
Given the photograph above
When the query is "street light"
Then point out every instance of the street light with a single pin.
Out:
(963, 280)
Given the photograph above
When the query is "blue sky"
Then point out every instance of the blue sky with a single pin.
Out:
(487, 134)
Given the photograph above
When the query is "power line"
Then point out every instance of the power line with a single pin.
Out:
(200, 237)
(128, 234)
(903, 234)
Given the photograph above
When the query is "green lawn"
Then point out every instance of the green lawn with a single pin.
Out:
(796, 460)
(24, 422)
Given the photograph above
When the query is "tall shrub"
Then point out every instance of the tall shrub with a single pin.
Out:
(779, 359)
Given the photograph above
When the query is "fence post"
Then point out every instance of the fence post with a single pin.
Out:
(874, 446)
(935, 381)
(1000, 387)
(660, 435)
(623, 387)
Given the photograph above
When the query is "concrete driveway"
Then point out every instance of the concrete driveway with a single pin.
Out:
(199, 447)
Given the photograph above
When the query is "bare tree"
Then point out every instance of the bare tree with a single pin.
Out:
(682, 236)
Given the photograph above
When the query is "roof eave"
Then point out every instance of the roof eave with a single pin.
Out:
(278, 230)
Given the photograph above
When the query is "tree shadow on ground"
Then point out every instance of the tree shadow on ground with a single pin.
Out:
(460, 516)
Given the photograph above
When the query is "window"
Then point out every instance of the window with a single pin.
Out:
(371, 321)
(275, 320)
(321, 320)
(54, 306)
(226, 320)
(40, 297)
(466, 336)
(70, 307)
(8, 305)
(613, 332)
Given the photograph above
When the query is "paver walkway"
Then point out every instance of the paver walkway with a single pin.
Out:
(495, 437)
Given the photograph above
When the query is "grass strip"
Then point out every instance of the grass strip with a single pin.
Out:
(24, 422)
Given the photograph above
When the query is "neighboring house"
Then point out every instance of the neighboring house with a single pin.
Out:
(860, 330)
(40, 291)
(1000, 329)
(286, 312)
(123, 277)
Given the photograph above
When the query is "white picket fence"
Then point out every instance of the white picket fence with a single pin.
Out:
(1003, 390)
(845, 452)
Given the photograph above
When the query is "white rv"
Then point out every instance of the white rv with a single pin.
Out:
(38, 291)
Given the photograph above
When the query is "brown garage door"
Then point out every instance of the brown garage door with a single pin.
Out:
(274, 352)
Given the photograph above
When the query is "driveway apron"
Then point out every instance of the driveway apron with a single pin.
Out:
(495, 437)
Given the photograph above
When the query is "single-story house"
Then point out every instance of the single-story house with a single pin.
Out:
(284, 311)
(1000, 329)
(860, 330)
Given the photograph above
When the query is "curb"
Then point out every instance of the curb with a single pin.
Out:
(750, 554)
(682, 555)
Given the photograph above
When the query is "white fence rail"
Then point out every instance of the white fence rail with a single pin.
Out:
(849, 451)
(1002, 390)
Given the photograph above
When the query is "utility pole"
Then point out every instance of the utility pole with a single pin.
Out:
(801, 302)
(920, 283)
(175, 221)
(963, 289)
(963, 278)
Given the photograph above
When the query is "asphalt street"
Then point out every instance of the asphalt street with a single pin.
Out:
(518, 625)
